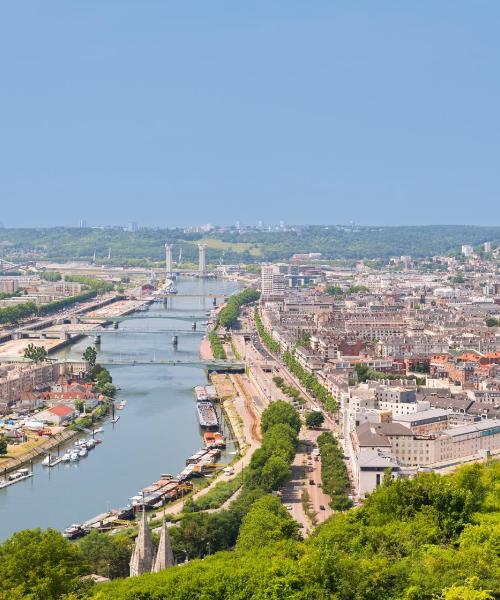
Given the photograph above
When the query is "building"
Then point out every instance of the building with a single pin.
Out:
(58, 415)
(272, 281)
(467, 250)
(370, 468)
(487, 246)
(168, 260)
(202, 265)
(143, 559)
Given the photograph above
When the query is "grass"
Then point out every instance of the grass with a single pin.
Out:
(216, 497)
(234, 246)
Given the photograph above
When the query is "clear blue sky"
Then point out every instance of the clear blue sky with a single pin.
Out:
(171, 113)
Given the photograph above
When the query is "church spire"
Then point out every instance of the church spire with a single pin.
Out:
(142, 556)
(164, 556)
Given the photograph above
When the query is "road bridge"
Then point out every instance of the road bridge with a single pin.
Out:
(92, 332)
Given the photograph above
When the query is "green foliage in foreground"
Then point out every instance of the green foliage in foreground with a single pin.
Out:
(334, 475)
(228, 316)
(429, 538)
(423, 539)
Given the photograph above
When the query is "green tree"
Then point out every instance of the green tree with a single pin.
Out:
(40, 565)
(3, 445)
(107, 555)
(35, 353)
(314, 419)
(90, 355)
(280, 412)
(266, 522)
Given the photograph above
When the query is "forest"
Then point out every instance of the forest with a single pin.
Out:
(146, 245)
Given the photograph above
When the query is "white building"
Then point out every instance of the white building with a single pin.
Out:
(467, 250)
(272, 281)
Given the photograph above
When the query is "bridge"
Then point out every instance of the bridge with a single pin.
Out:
(91, 332)
(198, 317)
(220, 366)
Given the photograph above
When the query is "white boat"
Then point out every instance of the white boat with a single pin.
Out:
(66, 457)
(121, 405)
(73, 457)
(90, 444)
(15, 477)
(83, 452)
(98, 430)
(47, 460)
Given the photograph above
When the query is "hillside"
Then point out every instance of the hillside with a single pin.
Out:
(432, 537)
(147, 245)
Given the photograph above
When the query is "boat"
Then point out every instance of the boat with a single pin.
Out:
(200, 393)
(98, 430)
(115, 419)
(19, 475)
(73, 457)
(207, 415)
(90, 443)
(220, 442)
(83, 452)
(209, 439)
(121, 405)
(66, 457)
(47, 460)
(74, 532)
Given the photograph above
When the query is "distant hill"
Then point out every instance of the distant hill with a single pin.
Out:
(333, 242)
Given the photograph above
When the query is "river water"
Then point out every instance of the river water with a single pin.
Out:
(157, 430)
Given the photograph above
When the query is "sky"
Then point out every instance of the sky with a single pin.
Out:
(177, 113)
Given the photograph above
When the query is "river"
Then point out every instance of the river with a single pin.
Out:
(157, 430)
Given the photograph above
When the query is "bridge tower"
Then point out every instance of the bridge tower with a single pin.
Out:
(202, 266)
(168, 261)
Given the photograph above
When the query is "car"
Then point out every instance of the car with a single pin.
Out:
(289, 507)
(321, 507)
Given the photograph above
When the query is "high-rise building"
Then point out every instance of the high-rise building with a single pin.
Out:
(82, 224)
(487, 246)
(202, 266)
(272, 281)
(168, 260)
(467, 250)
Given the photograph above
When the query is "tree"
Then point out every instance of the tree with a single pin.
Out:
(108, 555)
(3, 445)
(79, 405)
(334, 290)
(280, 412)
(492, 322)
(266, 522)
(90, 355)
(314, 419)
(39, 564)
(37, 354)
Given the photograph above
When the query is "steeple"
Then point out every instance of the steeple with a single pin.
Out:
(142, 556)
(164, 556)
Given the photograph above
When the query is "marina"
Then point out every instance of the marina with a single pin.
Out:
(158, 429)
